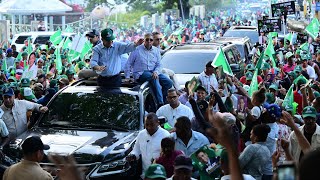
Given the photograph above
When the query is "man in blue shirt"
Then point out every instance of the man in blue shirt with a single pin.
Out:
(106, 60)
(144, 63)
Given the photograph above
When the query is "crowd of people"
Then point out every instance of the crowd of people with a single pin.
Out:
(222, 128)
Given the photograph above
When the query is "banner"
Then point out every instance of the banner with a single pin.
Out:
(269, 25)
(280, 9)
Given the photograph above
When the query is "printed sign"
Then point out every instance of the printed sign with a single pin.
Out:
(281, 9)
(269, 25)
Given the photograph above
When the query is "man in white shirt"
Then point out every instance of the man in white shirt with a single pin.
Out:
(148, 143)
(208, 79)
(310, 70)
(174, 109)
(15, 112)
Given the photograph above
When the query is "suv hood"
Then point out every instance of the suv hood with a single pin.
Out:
(85, 145)
(183, 78)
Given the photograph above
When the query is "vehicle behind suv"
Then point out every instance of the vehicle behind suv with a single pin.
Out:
(37, 37)
(243, 31)
(243, 44)
(189, 60)
(98, 126)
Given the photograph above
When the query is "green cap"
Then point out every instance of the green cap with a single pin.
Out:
(265, 66)
(12, 78)
(273, 86)
(309, 111)
(27, 93)
(107, 34)
(81, 64)
(316, 94)
(270, 98)
(53, 83)
(25, 82)
(63, 76)
(289, 54)
(298, 69)
(293, 74)
(24, 54)
(70, 71)
(249, 76)
(250, 67)
(156, 171)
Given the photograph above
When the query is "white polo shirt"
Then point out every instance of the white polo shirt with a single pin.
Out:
(172, 114)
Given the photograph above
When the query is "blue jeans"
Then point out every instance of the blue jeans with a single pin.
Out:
(156, 84)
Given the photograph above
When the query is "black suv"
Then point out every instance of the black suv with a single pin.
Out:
(97, 126)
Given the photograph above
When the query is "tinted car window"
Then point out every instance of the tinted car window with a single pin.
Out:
(187, 62)
(109, 110)
(231, 57)
(41, 39)
(21, 39)
(241, 49)
(252, 35)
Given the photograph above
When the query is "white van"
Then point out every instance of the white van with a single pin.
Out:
(38, 37)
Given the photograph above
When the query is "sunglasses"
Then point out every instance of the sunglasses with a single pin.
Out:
(158, 39)
(148, 39)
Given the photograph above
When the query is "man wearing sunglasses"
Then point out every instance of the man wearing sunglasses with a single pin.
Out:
(144, 63)
(94, 37)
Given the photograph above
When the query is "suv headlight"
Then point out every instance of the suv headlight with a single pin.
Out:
(114, 167)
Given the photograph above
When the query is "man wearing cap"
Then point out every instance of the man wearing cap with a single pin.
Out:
(155, 171)
(290, 63)
(208, 79)
(27, 94)
(38, 90)
(182, 168)
(9, 58)
(70, 73)
(311, 131)
(145, 65)
(15, 112)
(106, 58)
(94, 37)
(29, 167)
(63, 82)
(306, 67)
(148, 142)
(25, 82)
(250, 68)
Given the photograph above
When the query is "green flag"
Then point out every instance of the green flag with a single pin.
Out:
(313, 28)
(304, 47)
(86, 48)
(68, 29)
(25, 65)
(58, 60)
(221, 60)
(272, 35)
(300, 77)
(29, 47)
(270, 52)
(289, 37)
(56, 37)
(288, 99)
(67, 44)
(4, 67)
(260, 61)
(254, 83)
(19, 56)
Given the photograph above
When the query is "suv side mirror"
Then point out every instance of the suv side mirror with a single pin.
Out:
(235, 68)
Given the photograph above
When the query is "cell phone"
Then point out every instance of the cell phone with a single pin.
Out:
(287, 171)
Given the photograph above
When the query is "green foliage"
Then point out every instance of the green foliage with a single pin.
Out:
(128, 19)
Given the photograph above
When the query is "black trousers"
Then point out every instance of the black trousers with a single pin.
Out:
(110, 81)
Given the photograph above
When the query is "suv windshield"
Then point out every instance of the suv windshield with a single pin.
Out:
(21, 39)
(41, 39)
(253, 35)
(187, 62)
(112, 110)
